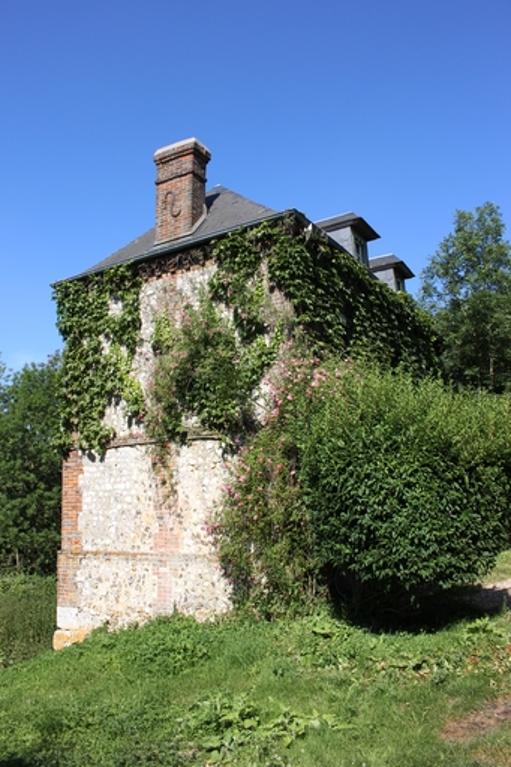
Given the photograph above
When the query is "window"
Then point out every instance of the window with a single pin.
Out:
(361, 250)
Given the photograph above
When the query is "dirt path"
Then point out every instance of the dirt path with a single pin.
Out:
(491, 716)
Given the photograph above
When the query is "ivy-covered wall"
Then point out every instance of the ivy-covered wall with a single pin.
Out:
(270, 282)
(99, 319)
(336, 301)
(274, 282)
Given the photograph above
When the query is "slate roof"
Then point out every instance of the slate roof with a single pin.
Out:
(226, 210)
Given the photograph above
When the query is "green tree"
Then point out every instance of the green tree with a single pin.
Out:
(467, 288)
(29, 467)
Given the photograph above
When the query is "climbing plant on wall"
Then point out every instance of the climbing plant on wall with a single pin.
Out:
(335, 299)
(272, 281)
(205, 371)
(99, 319)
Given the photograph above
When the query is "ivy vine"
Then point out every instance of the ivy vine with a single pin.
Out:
(272, 281)
(99, 319)
(341, 307)
(205, 373)
(209, 366)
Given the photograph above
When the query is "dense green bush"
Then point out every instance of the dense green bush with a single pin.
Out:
(408, 483)
(394, 484)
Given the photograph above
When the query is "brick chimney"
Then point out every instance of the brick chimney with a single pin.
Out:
(180, 188)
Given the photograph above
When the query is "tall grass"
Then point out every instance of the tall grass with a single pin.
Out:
(27, 616)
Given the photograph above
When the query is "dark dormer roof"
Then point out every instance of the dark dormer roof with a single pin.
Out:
(390, 261)
(226, 211)
(344, 220)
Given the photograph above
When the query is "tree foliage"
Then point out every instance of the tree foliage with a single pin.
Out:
(29, 468)
(467, 287)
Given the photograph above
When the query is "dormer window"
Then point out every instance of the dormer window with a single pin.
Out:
(352, 232)
(391, 270)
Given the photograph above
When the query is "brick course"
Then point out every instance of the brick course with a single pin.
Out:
(72, 470)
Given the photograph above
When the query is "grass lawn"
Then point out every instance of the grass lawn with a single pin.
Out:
(311, 692)
(502, 569)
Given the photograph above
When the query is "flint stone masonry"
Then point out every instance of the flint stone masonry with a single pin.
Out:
(111, 589)
(119, 502)
(145, 549)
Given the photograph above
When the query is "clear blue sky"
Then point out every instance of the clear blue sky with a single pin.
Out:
(398, 110)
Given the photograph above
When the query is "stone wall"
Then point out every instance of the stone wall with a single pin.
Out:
(140, 547)
(135, 540)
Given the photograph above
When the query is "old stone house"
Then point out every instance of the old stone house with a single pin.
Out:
(131, 548)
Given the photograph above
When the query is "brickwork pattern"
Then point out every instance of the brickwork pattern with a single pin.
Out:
(180, 188)
(72, 471)
(67, 595)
